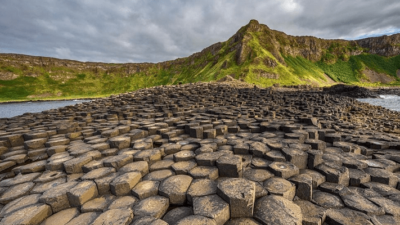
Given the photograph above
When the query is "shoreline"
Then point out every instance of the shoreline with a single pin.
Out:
(48, 100)
(303, 88)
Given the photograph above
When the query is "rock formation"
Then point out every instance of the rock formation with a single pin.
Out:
(205, 153)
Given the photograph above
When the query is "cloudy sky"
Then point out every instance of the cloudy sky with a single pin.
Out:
(159, 30)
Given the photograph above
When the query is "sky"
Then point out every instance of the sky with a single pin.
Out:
(159, 30)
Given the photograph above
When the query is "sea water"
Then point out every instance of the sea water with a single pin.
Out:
(388, 101)
(9, 110)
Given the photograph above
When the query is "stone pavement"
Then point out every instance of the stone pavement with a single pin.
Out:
(204, 153)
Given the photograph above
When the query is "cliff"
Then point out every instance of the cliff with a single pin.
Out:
(255, 53)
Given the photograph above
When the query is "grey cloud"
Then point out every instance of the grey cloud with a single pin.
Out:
(159, 30)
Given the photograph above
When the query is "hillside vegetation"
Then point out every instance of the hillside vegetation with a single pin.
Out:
(255, 54)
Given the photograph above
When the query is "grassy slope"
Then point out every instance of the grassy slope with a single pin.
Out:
(336, 63)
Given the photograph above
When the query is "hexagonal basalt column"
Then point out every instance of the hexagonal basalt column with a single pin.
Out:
(240, 194)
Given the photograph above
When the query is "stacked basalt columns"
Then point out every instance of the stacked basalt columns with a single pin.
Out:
(203, 154)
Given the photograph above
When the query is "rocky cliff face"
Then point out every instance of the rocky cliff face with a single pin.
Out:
(277, 43)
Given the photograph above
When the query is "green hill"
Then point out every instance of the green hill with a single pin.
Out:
(255, 54)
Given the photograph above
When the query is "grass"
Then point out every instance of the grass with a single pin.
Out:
(60, 82)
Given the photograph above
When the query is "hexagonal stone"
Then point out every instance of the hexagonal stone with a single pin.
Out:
(304, 186)
(162, 165)
(257, 175)
(123, 202)
(103, 184)
(201, 187)
(275, 156)
(277, 210)
(98, 173)
(98, 204)
(175, 188)
(382, 189)
(33, 214)
(159, 175)
(212, 206)
(183, 167)
(120, 142)
(202, 172)
(390, 207)
(19, 179)
(171, 148)
(75, 165)
(40, 188)
(15, 192)
(359, 203)
(382, 176)
(61, 217)
(209, 159)
(114, 216)
(35, 143)
(312, 214)
(145, 189)
(149, 156)
(84, 218)
(385, 220)
(177, 214)
(258, 149)
(37, 166)
(118, 161)
(196, 219)
(141, 166)
(358, 177)
(317, 178)
(123, 184)
(155, 206)
(346, 217)
(297, 157)
(7, 164)
(334, 173)
(48, 176)
(327, 200)
(314, 158)
(240, 194)
(184, 156)
(283, 169)
(281, 187)
(240, 221)
(230, 166)
(19, 204)
(82, 192)
(148, 220)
